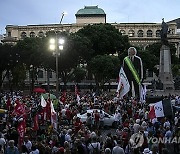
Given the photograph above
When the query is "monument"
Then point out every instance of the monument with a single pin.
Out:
(165, 72)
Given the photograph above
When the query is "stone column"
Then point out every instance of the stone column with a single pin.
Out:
(178, 50)
(165, 72)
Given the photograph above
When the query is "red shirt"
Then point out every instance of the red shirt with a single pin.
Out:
(68, 114)
(96, 117)
(77, 125)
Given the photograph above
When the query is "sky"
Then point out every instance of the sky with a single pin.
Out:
(29, 12)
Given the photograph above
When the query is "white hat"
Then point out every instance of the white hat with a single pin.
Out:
(147, 151)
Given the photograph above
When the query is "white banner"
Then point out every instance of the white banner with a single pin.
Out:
(123, 85)
(143, 94)
(43, 102)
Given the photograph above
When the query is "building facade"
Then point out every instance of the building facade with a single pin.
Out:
(140, 34)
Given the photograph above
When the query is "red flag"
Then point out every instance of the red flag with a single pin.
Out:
(36, 124)
(19, 109)
(77, 94)
(48, 110)
(21, 130)
(152, 114)
(53, 117)
(63, 97)
(8, 104)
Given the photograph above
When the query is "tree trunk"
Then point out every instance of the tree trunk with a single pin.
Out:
(64, 79)
(1, 81)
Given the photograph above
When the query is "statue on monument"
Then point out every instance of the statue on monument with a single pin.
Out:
(165, 72)
(164, 32)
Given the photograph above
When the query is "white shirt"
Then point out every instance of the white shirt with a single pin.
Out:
(117, 150)
(166, 124)
(136, 127)
(168, 134)
(28, 145)
(2, 142)
(175, 120)
(34, 152)
(63, 111)
(92, 146)
(117, 116)
(68, 138)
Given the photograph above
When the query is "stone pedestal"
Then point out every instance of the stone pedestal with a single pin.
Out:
(165, 72)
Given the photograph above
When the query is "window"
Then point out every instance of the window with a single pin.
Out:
(158, 33)
(32, 34)
(50, 74)
(140, 33)
(122, 32)
(149, 33)
(23, 35)
(41, 34)
(150, 73)
(9, 34)
(40, 74)
(131, 33)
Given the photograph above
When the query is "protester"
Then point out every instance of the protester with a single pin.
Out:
(28, 127)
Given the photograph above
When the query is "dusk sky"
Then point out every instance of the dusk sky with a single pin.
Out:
(28, 12)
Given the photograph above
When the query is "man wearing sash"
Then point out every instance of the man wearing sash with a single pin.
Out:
(133, 69)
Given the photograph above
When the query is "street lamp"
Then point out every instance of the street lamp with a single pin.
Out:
(56, 45)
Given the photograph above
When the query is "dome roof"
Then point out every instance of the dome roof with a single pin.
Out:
(90, 10)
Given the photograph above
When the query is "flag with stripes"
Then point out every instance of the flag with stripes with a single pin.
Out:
(160, 109)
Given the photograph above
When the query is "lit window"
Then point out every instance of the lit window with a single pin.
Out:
(122, 32)
(131, 33)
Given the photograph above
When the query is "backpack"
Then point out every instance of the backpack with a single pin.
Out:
(95, 149)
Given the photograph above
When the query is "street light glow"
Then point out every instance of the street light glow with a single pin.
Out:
(52, 41)
(61, 47)
(52, 47)
(61, 41)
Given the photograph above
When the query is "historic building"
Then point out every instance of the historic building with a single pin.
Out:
(140, 34)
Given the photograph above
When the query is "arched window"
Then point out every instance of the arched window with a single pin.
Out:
(158, 33)
(149, 33)
(40, 74)
(40, 34)
(23, 35)
(140, 33)
(50, 74)
(123, 32)
(32, 34)
(131, 33)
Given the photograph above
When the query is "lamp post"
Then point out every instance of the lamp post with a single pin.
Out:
(56, 45)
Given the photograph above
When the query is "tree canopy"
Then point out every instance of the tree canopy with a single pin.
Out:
(104, 68)
(104, 39)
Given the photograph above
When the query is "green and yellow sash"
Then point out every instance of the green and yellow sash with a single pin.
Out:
(133, 70)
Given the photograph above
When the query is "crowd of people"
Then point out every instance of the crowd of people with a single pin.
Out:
(69, 135)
